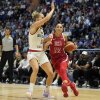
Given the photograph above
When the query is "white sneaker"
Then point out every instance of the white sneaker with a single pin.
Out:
(47, 95)
(29, 95)
(55, 83)
(42, 83)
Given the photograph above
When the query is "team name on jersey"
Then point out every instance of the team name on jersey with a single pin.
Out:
(57, 43)
(40, 35)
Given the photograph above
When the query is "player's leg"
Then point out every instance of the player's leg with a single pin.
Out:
(35, 68)
(65, 80)
(49, 71)
(46, 66)
(61, 70)
(56, 80)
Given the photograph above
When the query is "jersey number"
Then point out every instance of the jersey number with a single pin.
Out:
(57, 50)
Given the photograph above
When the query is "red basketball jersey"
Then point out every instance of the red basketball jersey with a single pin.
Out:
(57, 49)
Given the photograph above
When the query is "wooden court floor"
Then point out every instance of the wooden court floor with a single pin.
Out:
(18, 92)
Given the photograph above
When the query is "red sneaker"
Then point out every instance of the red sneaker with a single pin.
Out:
(64, 89)
(73, 87)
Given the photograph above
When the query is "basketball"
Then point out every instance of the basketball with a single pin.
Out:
(70, 46)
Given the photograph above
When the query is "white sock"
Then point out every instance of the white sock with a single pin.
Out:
(31, 87)
(47, 89)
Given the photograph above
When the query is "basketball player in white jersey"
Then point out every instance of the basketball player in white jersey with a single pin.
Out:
(36, 55)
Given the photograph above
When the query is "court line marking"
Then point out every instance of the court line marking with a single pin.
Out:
(27, 97)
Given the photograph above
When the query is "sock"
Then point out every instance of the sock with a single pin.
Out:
(31, 87)
(47, 89)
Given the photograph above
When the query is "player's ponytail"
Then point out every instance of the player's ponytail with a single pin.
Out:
(35, 15)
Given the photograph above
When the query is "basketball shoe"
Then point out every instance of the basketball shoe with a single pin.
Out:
(29, 94)
(46, 94)
(64, 89)
(73, 87)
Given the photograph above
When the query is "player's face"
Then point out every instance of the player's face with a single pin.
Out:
(59, 28)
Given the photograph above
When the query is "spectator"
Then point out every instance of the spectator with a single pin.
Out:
(16, 64)
(24, 69)
(82, 65)
(94, 73)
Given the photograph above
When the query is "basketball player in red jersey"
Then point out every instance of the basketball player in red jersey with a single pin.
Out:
(59, 58)
(36, 56)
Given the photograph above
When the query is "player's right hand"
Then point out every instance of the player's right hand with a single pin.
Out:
(52, 5)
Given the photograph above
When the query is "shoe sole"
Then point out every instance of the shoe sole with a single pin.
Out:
(50, 97)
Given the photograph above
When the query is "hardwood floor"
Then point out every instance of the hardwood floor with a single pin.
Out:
(18, 92)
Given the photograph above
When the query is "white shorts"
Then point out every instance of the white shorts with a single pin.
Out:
(40, 56)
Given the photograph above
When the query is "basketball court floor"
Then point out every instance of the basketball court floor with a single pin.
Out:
(18, 92)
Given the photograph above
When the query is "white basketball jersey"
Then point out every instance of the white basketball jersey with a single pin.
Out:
(36, 40)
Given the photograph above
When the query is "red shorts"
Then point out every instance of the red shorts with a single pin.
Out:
(57, 62)
(61, 67)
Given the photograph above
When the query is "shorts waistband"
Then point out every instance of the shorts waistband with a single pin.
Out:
(34, 50)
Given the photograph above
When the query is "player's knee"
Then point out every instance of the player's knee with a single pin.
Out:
(50, 74)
